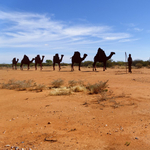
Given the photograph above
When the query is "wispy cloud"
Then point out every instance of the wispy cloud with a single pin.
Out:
(19, 29)
(138, 29)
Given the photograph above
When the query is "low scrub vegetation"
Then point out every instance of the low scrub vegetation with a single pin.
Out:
(60, 91)
(97, 87)
(57, 88)
(73, 83)
(57, 83)
(22, 85)
(78, 88)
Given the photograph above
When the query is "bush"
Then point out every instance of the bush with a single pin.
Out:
(97, 87)
(73, 83)
(87, 63)
(22, 85)
(138, 65)
(57, 83)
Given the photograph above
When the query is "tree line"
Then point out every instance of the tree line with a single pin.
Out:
(110, 63)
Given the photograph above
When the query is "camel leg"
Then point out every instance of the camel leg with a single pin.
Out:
(28, 67)
(104, 66)
(79, 66)
(72, 68)
(41, 67)
(59, 66)
(53, 66)
(35, 66)
(94, 66)
(15, 66)
(21, 67)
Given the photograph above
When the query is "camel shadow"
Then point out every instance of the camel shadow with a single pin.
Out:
(27, 70)
(46, 70)
(66, 71)
(120, 73)
(89, 71)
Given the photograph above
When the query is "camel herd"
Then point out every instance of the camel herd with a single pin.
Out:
(76, 58)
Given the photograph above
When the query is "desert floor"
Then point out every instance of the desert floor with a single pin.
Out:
(36, 120)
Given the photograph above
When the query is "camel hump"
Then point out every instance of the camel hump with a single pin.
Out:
(26, 57)
(77, 54)
(56, 58)
(37, 58)
(14, 59)
(57, 55)
(101, 53)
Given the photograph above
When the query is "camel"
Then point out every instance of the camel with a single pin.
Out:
(101, 57)
(26, 60)
(57, 60)
(14, 63)
(77, 59)
(39, 61)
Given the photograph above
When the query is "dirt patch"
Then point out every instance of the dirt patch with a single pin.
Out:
(118, 119)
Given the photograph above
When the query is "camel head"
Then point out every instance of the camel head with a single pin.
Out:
(61, 58)
(42, 58)
(109, 57)
(112, 53)
(85, 55)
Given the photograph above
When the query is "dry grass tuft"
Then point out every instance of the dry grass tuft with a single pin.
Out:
(60, 91)
(103, 97)
(73, 83)
(22, 85)
(97, 87)
(78, 88)
(57, 83)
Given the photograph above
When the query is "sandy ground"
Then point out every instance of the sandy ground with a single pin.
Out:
(36, 120)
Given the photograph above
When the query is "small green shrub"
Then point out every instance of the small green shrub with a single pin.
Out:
(57, 83)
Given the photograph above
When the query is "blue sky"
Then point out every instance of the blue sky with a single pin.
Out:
(47, 27)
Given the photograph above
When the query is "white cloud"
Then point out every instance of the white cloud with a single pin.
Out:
(138, 29)
(26, 29)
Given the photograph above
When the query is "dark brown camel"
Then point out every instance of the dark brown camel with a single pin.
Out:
(77, 59)
(14, 63)
(26, 61)
(39, 61)
(101, 57)
(57, 60)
